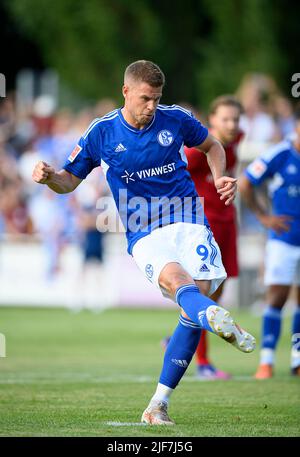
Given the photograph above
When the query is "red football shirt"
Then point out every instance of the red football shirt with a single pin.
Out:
(198, 167)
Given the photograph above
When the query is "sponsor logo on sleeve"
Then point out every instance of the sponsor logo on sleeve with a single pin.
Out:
(257, 168)
(74, 153)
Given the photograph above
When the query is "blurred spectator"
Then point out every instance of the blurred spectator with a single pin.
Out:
(15, 216)
(284, 116)
(13, 209)
(256, 93)
(81, 122)
(58, 219)
(43, 111)
(7, 117)
(25, 163)
(92, 276)
(104, 106)
(53, 219)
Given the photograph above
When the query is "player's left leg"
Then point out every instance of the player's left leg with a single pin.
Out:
(178, 355)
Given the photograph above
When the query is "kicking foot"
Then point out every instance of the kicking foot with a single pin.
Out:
(156, 414)
(264, 371)
(223, 325)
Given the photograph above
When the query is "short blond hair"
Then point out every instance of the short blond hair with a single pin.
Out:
(145, 71)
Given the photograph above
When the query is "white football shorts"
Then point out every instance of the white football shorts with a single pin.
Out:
(191, 245)
(282, 263)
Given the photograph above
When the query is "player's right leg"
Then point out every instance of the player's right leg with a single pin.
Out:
(200, 309)
(225, 234)
(205, 369)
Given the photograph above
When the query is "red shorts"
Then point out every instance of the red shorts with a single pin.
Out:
(225, 234)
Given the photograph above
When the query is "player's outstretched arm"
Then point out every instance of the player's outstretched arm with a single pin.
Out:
(60, 182)
(226, 186)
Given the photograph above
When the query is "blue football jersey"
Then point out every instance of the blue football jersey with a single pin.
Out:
(146, 169)
(280, 165)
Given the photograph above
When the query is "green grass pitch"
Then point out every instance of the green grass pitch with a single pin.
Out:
(69, 374)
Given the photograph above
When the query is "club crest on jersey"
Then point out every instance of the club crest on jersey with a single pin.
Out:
(165, 138)
(74, 153)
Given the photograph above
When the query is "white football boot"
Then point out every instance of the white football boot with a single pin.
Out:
(224, 326)
(156, 414)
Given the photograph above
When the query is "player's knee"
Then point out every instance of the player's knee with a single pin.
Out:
(277, 296)
(277, 302)
(172, 282)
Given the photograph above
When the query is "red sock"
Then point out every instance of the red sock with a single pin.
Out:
(202, 348)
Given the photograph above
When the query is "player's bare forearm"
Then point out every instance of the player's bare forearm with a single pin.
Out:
(61, 182)
(216, 157)
(216, 160)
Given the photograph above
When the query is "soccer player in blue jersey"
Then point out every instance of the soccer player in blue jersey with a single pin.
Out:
(280, 166)
(141, 149)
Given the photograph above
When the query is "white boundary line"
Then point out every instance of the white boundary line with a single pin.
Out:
(80, 377)
(126, 424)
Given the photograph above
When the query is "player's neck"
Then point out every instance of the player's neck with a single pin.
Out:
(130, 120)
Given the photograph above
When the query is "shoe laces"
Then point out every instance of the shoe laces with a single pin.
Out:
(161, 407)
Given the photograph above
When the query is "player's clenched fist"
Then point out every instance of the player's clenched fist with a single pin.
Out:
(42, 172)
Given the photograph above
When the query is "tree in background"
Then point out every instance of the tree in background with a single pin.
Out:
(204, 47)
(241, 41)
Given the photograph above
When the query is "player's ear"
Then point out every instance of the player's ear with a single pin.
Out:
(125, 90)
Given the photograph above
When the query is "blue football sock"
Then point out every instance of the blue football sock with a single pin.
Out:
(194, 305)
(271, 328)
(179, 352)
